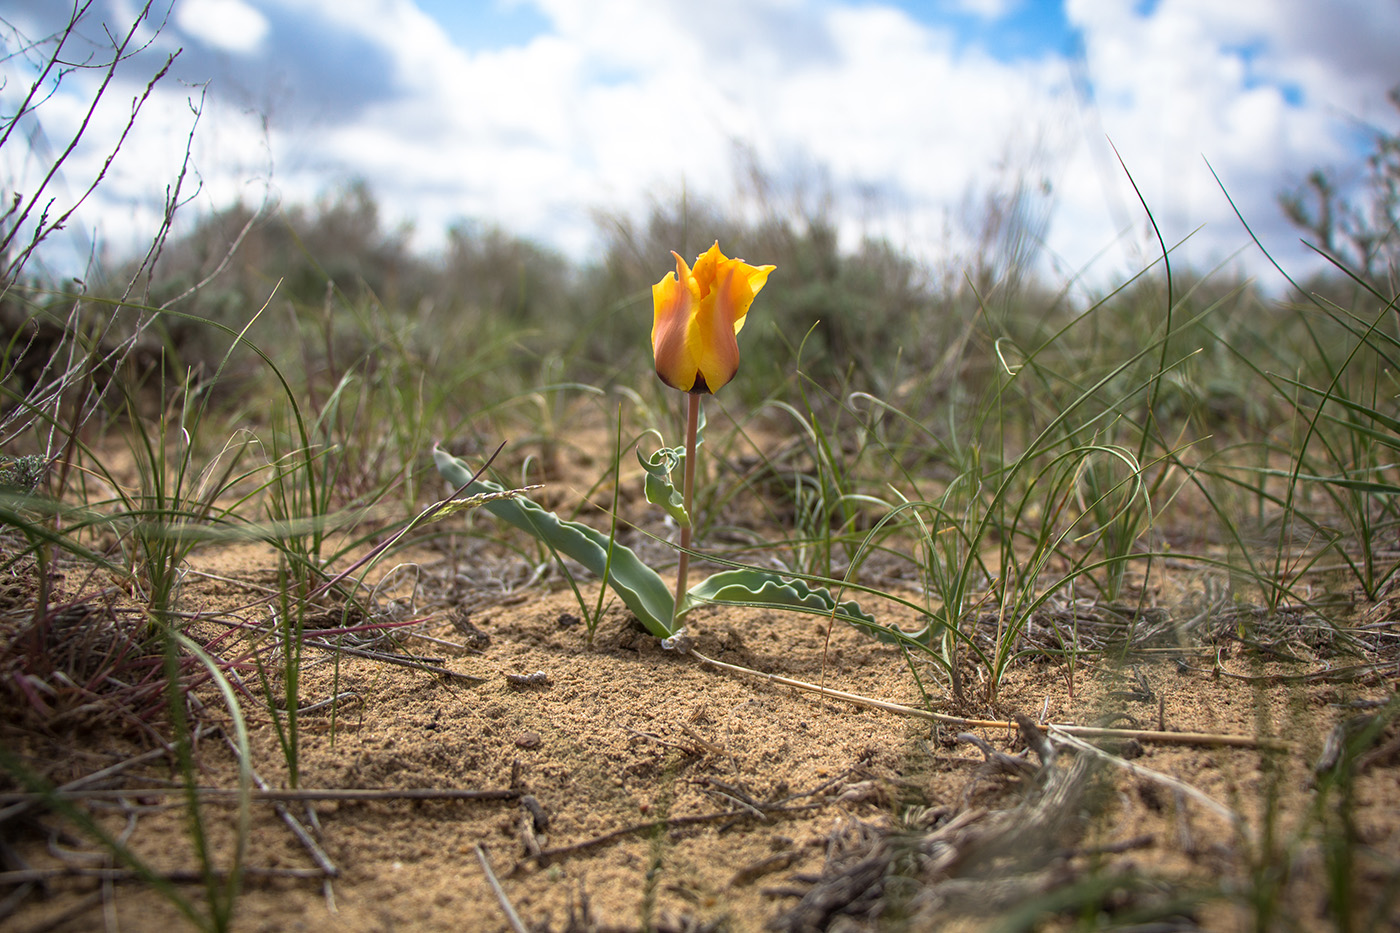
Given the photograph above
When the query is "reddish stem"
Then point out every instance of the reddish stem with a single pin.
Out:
(692, 425)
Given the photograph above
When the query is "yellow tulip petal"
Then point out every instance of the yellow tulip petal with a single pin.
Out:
(743, 287)
(712, 342)
(672, 302)
(708, 268)
(696, 314)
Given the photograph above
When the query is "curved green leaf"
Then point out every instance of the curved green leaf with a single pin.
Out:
(660, 488)
(759, 588)
(639, 587)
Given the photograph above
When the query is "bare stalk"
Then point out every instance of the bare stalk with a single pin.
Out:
(692, 426)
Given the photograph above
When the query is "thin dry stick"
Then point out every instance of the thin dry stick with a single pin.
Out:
(394, 659)
(511, 916)
(74, 910)
(1336, 674)
(18, 803)
(781, 805)
(181, 876)
(298, 829)
(1142, 735)
(215, 794)
(545, 856)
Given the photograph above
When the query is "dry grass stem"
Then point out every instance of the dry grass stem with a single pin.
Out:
(1141, 735)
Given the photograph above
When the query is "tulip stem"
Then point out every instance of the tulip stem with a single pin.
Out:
(692, 426)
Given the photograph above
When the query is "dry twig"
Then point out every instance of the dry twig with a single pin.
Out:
(217, 794)
(1142, 735)
(511, 916)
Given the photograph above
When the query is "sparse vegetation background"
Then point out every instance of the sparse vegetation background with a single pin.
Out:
(219, 586)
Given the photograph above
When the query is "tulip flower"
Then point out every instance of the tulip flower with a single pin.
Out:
(697, 316)
(698, 313)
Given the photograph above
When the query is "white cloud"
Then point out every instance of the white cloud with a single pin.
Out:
(1194, 82)
(623, 100)
(230, 25)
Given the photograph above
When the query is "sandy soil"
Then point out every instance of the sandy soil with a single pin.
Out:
(637, 788)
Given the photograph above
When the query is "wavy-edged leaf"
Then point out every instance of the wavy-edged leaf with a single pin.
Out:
(760, 588)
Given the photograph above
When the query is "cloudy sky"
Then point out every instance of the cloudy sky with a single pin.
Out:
(535, 114)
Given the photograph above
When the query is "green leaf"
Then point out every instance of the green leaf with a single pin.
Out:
(660, 488)
(764, 590)
(1346, 482)
(639, 587)
(759, 588)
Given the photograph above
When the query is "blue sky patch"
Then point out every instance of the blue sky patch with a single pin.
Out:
(1031, 29)
(1249, 53)
(487, 25)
